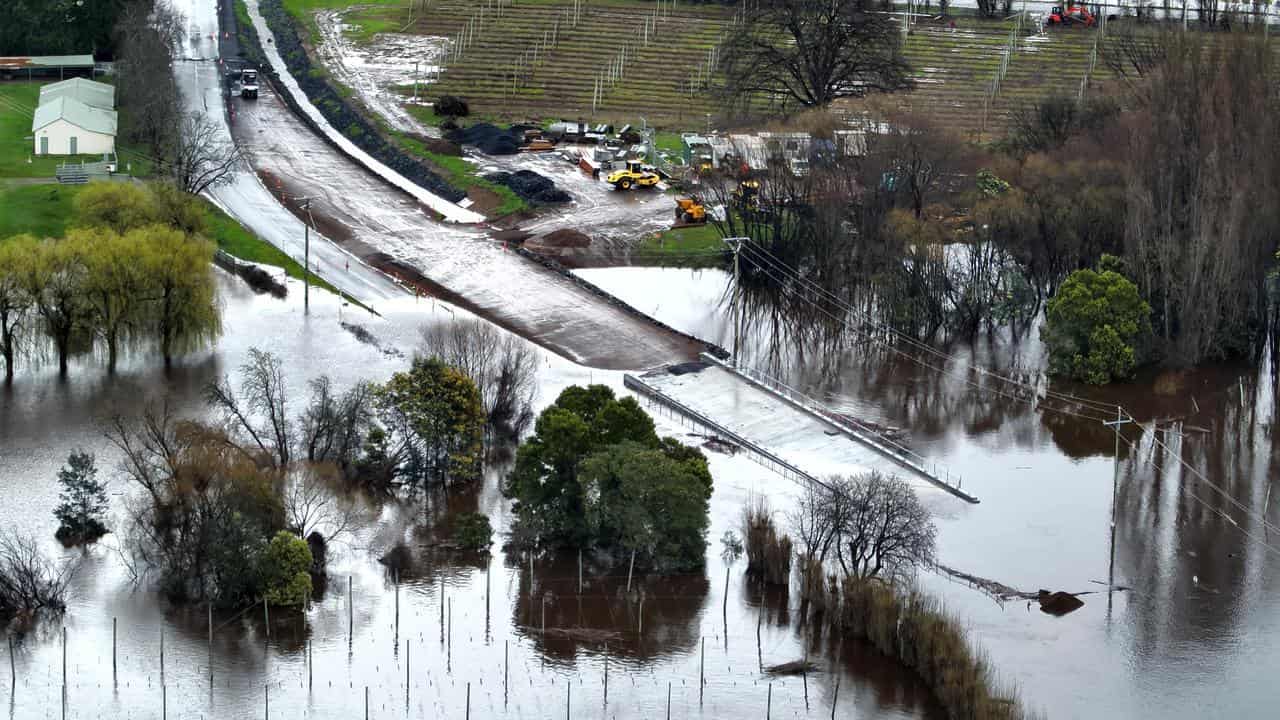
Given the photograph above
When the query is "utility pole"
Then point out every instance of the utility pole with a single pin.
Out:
(736, 244)
(1115, 483)
(306, 255)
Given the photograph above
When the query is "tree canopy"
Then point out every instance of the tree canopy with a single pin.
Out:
(595, 474)
(1094, 326)
(811, 52)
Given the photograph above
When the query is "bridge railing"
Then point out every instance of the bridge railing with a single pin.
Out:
(940, 476)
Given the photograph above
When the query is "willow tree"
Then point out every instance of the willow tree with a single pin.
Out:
(115, 287)
(184, 315)
(15, 301)
(56, 277)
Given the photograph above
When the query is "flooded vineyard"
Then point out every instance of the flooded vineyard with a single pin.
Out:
(425, 638)
(1193, 484)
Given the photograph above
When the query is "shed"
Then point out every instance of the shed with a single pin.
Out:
(93, 94)
(46, 65)
(66, 126)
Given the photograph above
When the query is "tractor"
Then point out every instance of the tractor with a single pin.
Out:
(635, 175)
(690, 212)
(1071, 15)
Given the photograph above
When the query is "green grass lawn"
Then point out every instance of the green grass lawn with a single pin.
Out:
(235, 239)
(462, 174)
(42, 210)
(695, 246)
(17, 160)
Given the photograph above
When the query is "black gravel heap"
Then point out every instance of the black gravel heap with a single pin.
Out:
(489, 139)
(339, 113)
(530, 185)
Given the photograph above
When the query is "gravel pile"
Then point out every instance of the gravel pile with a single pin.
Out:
(530, 185)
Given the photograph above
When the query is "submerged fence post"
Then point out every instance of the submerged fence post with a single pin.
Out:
(350, 611)
(210, 609)
(468, 715)
(768, 702)
(702, 670)
(13, 668)
(835, 699)
(113, 648)
(606, 673)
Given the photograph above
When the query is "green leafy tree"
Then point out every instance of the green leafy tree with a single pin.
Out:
(640, 499)
(595, 473)
(284, 570)
(15, 301)
(82, 501)
(56, 279)
(544, 480)
(1094, 327)
(434, 424)
(184, 316)
(119, 206)
(472, 531)
(115, 289)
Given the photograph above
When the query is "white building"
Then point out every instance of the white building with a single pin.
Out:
(75, 117)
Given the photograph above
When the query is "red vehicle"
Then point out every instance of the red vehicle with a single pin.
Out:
(1071, 15)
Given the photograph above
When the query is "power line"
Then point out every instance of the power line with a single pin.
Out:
(943, 371)
(762, 253)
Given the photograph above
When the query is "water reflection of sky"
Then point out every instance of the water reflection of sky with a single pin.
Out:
(1196, 638)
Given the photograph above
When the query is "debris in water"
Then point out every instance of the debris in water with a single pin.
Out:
(795, 667)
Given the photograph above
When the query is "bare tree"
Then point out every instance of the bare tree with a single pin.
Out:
(147, 34)
(333, 427)
(28, 580)
(202, 157)
(503, 366)
(873, 524)
(312, 506)
(811, 52)
(262, 395)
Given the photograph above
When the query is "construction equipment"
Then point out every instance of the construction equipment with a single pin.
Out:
(747, 195)
(634, 175)
(1071, 15)
(249, 84)
(690, 212)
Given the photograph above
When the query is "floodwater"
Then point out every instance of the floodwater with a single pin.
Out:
(388, 639)
(1198, 634)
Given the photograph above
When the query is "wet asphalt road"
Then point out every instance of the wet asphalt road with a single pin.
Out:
(243, 196)
(382, 225)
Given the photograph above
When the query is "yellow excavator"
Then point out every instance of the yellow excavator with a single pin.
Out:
(690, 212)
(635, 175)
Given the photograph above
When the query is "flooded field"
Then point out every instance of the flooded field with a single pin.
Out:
(1198, 629)
(390, 639)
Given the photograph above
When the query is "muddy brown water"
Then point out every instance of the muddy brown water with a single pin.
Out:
(492, 630)
(1199, 635)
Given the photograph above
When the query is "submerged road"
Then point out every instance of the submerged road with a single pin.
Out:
(243, 196)
(379, 223)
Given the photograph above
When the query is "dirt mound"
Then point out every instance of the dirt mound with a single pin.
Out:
(530, 185)
(565, 238)
(1058, 603)
(489, 139)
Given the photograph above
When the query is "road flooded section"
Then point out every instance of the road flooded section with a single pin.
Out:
(466, 265)
(1195, 634)
(453, 629)
(242, 194)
